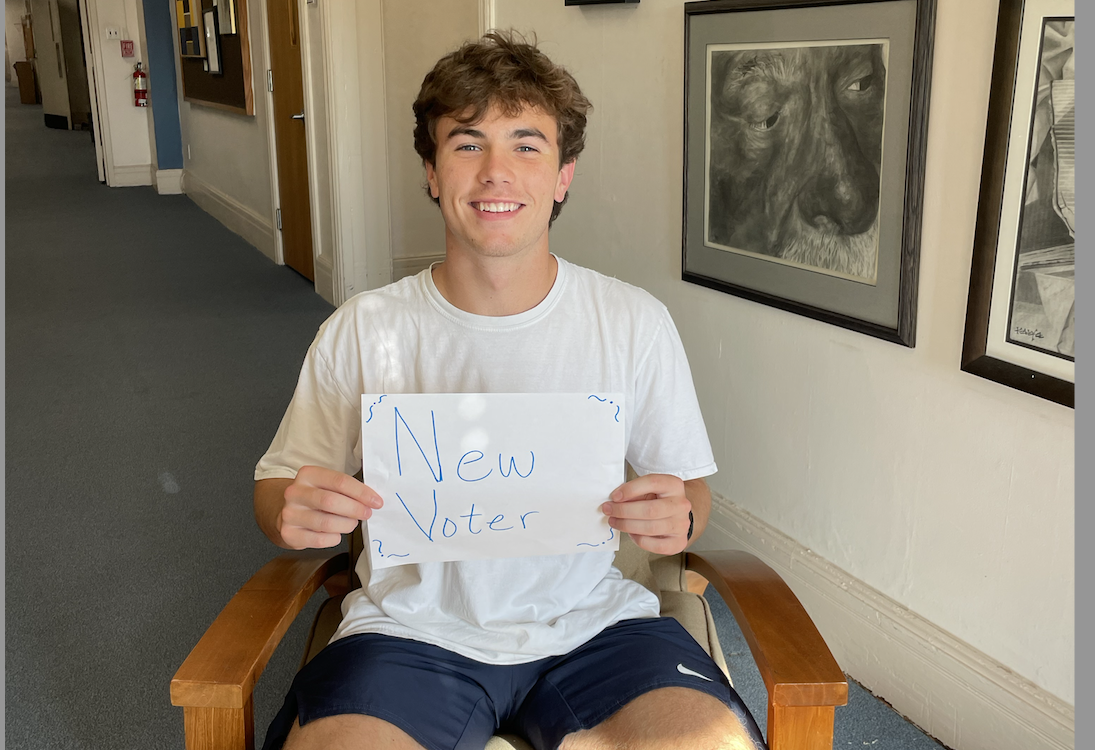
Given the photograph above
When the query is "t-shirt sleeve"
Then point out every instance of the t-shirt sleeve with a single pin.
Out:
(321, 426)
(668, 434)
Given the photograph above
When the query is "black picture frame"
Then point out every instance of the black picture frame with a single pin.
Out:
(750, 227)
(989, 348)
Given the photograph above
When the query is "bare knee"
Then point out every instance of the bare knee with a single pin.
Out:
(349, 732)
(666, 719)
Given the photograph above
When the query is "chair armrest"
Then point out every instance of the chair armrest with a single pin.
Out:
(222, 669)
(795, 663)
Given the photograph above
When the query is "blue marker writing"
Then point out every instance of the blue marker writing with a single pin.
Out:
(437, 452)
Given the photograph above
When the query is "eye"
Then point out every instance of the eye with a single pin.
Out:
(467, 147)
(526, 149)
(862, 84)
(766, 124)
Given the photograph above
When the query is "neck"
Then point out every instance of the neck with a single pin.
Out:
(495, 286)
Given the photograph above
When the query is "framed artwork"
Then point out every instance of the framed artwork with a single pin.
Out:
(212, 42)
(1021, 316)
(226, 16)
(805, 124)
(221, 76)
(188, 14)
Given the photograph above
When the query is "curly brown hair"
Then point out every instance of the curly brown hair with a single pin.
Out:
(505, 70)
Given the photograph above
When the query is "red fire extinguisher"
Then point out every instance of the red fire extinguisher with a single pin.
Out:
(140, 87)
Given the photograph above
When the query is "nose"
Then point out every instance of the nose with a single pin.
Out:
(843, 192)
(496, 168)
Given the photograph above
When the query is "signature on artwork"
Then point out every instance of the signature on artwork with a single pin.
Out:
(1033, 333)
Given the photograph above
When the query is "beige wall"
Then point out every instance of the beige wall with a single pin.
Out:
(416, 34)
(948, 493)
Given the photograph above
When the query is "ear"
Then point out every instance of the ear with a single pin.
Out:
(431, 178)
(566, 176)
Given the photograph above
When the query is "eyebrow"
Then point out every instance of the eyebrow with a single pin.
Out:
(515, 135)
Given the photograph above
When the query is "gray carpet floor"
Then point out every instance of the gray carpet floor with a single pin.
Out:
(150, 355)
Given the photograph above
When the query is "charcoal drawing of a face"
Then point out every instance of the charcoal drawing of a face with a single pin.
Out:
(795, 153)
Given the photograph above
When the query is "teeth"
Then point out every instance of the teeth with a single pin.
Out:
(496, 208)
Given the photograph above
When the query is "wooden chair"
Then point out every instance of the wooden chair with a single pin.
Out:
(215, 683)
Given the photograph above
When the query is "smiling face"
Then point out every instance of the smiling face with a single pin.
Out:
(497, 181)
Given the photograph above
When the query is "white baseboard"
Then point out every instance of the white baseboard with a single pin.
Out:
(169, 181)
(957, 694)
(252, 226)
(130, 176)
(411, 265)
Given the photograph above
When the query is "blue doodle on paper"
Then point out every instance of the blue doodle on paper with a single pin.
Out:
(380, 550)
(611, 536)
(616, 416)
(370, 419)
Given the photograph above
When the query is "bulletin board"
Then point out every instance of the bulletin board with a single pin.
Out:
(230, 89)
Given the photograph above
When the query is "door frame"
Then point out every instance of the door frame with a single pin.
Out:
(355, 117)
(271, 135)
(99, 124)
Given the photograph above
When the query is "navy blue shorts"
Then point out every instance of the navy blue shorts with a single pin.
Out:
(449, 702)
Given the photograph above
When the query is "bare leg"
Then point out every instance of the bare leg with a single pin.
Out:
(672, 718)
(349, 732)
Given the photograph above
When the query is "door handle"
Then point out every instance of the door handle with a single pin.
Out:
(297, 117)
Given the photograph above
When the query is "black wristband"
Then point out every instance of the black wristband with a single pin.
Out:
(691, 526)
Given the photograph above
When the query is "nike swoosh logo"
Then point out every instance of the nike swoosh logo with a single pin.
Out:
(685, 670)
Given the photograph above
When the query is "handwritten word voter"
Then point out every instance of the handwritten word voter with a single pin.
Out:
(559, 650)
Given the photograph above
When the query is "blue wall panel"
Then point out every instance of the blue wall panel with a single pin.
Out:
(159, 26)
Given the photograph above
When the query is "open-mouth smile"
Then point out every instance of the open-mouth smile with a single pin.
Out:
(496, 207)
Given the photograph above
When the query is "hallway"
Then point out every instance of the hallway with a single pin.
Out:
(150, 354)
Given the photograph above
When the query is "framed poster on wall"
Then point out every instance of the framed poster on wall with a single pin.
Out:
(805, 130)
(1021, 315)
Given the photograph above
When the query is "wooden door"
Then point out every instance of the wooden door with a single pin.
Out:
(289, 132)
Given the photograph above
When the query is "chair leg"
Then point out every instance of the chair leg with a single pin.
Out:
(220, 728)
(800, 727)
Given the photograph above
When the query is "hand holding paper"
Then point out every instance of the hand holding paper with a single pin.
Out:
(472, 476)
(321, 505)
(653, 509)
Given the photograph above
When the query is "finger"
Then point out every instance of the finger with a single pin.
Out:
(336, 481)
(298, 538)
(648, 508)
(660, 545)
(660, 527)
(649, 484)
(327, 501)
(317, 521)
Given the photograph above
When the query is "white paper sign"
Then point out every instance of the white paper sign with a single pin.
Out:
(467, 476)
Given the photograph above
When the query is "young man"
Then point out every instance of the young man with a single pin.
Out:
(561, 649)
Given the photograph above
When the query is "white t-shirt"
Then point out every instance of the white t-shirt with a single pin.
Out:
(590, 334)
